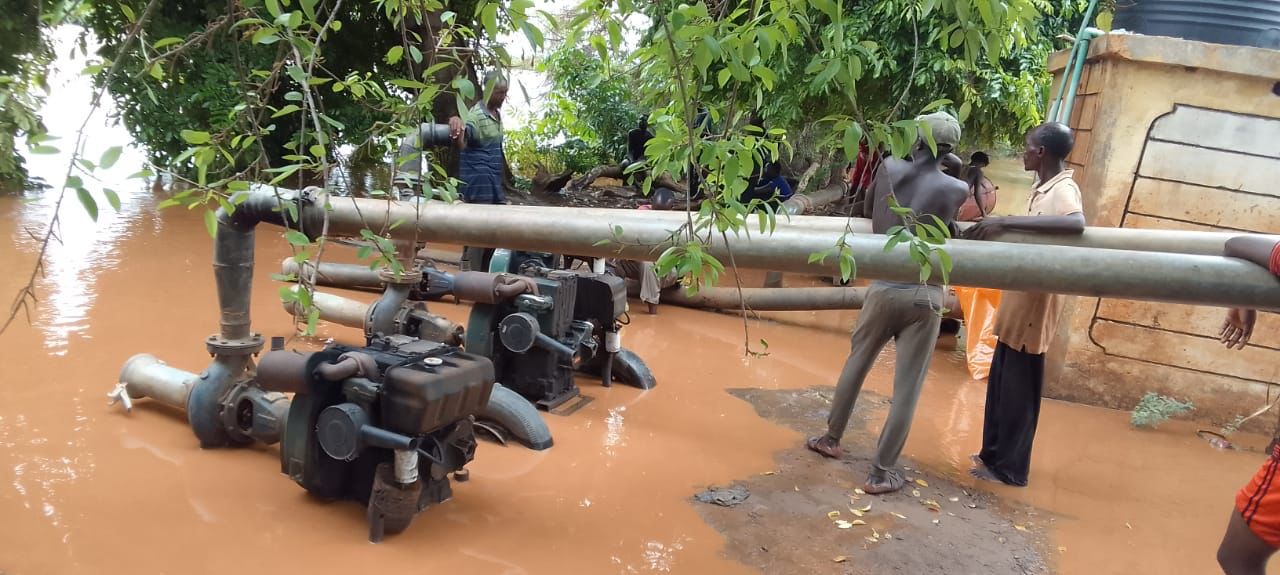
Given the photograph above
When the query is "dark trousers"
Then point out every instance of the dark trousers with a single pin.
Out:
(1013, 409)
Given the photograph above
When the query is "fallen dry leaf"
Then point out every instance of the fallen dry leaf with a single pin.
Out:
(932, 505)
(842, 524)
(915, 493)
(898, 515)
(1126, 524)
(1019, 528)
(859, 492)
(887, 536)
(865, 508)
(954, 499)
(873, 539)
(839, 558)
(858, 522)
(937, 522)
(833, 515)
(855, 512)
(922, 483)
(797, 488)
(973, 506)
(769, 473)
(1062, 550)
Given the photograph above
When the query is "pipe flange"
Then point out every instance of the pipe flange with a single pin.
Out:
(408, 276)
(218, 345)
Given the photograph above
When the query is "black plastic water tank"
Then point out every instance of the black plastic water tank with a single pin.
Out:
(1236, 22)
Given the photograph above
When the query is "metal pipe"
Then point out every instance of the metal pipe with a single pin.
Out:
(338, 275)
(145, 376)
(782, 299)
(337, 309)
(1176, 278)
(1086, 34)
(801, 203)
(1136, 239)
(769, 299)
(382, 313)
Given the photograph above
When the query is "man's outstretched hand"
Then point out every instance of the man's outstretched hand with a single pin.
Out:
(1238, 327)
(455, 127)
(986, 228)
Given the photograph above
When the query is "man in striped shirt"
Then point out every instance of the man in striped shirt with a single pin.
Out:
(1253, 533)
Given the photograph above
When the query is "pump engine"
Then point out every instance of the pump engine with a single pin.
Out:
(384, 425)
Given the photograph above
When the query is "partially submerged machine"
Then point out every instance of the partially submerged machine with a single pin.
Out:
(385, 424)
(571, 321)
(539, 323)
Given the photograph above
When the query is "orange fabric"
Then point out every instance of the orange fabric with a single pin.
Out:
(979, 306)
(1259, 502)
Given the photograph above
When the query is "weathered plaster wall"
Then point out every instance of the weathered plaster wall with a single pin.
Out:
(1177, 135)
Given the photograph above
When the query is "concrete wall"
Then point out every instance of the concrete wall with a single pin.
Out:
(1176, 135)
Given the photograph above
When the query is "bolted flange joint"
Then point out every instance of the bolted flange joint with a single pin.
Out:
(218, 345)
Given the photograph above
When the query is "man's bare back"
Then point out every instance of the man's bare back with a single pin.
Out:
(918, 184)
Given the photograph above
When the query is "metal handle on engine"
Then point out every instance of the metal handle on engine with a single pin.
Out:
(519, 332)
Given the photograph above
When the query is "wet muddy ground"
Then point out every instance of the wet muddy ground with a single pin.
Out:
(85, 488)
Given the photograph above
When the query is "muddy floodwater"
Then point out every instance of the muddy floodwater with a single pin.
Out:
(85, 488)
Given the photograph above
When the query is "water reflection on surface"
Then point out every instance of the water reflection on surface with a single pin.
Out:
(87, 489)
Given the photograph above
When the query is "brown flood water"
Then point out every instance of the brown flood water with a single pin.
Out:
(85, 488)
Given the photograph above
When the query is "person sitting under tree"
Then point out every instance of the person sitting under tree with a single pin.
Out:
(908, 313)
(1253, 531)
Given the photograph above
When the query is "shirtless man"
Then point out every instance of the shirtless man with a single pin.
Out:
(908, 313)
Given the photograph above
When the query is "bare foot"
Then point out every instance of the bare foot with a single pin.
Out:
(883, 482)
(653, 309)
(825, 446)
(981, 472)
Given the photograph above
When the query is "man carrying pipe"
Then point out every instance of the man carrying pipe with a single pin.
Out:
(909, 313)
(480, 157)
(1253, 532)
(1026, 322)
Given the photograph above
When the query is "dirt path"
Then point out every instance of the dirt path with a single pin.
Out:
(931, 526)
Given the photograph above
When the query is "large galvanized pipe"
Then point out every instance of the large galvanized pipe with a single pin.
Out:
(1136, 239)
(145, 376)
(1177, 278)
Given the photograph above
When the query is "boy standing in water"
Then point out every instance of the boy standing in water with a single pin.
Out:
(1026, 322)
(1253, 532)
(908, 313)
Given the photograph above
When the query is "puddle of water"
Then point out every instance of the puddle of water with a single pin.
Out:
(86, 489)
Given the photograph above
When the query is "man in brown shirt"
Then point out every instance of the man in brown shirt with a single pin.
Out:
(1025, 322)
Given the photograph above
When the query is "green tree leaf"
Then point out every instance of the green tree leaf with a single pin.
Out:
(112, 198)
(297, 238)
(195, 138)
(211, 223)
(109, 157)
(86, 200)
(394, 55)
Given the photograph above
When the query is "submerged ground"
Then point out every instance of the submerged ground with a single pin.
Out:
(85, 488)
